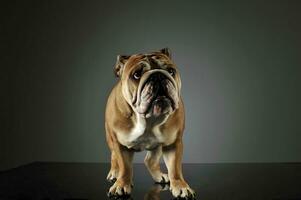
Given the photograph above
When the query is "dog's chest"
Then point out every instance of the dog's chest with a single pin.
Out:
(145, 136)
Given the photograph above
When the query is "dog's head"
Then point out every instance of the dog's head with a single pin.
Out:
(150, 82)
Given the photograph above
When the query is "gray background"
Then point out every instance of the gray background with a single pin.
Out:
(240, 67)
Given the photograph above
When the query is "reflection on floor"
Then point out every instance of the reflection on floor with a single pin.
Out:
(210, 181)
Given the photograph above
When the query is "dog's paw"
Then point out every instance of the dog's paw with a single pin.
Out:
(120, 188)
(161, 178)
(112, 176)
(180, 189)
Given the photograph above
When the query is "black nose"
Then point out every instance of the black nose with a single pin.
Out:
(159, 81)
(157, 77)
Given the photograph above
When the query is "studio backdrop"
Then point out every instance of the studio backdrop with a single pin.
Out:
(239, 62)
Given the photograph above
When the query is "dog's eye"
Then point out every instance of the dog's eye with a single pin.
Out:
(171, 71)
(137, 75)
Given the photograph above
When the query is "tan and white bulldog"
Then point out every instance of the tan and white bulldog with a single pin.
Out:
(145, 112)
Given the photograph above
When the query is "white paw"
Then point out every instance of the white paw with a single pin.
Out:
(112, 175)
(120, 188)
(180, 189)
(161, 178)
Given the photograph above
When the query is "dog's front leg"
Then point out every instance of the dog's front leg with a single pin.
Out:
(173, 159)
(122, 186)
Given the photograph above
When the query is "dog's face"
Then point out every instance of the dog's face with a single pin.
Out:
(150, 83)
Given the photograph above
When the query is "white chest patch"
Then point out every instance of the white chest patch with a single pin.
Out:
(146, 135)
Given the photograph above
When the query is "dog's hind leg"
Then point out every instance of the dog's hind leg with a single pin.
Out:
(152, 162)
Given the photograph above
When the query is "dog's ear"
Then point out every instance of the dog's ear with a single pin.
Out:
(121, 60)
(166, 51)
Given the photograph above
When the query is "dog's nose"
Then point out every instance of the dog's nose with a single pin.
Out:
(159, 80)
(157, 77)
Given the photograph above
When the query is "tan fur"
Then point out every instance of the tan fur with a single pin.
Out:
(123, 125)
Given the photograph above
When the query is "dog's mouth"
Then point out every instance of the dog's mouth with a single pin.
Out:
(160, 105)
(157, 97)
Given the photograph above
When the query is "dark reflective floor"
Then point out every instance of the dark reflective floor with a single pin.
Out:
(210, 181)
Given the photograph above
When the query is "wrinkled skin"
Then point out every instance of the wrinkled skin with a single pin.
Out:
(157, 98)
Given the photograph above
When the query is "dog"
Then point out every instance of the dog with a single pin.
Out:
(145, 111)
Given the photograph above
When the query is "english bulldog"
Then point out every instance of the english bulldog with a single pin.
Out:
(145, 111)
